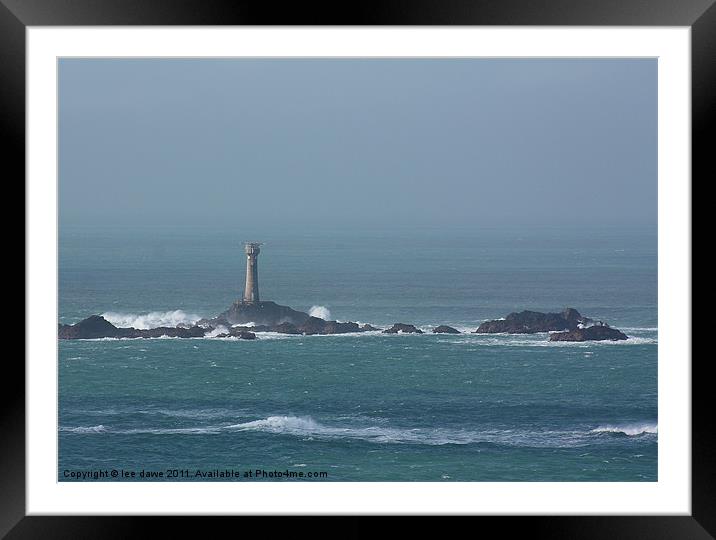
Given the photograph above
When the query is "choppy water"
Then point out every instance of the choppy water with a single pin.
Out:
(364, 407)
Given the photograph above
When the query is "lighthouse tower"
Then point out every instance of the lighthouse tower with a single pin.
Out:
(251, 291)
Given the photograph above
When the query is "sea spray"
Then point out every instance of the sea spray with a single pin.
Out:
(322, 312)
(628, 429)
(153, 319)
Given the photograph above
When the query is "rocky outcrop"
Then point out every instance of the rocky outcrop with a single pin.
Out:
(259, 313)
(402, 329)
(444, 329)
(96, 326)
(369, 328)
(568, 325)
(285, 328)
(598, 332)
(312, 326)
(264, 316)
(272, 317)
(93, 327)
(239, 333)
(531, 322)
(163, 331)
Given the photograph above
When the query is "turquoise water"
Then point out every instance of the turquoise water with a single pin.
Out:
(364, 407)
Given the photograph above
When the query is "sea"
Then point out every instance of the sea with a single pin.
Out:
(361, 407)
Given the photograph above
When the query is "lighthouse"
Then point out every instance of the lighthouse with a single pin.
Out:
(251, 290)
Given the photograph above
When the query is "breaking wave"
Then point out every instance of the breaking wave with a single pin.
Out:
(85, 429)
(538, 340)
(308, 429)
(628, 429)
(217, 331)
(322, 312)
(154, 319)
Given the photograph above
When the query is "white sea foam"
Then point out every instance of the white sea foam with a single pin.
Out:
(308, 427)
(322, 312)
(466, 329)
(347, 334)
(208, 430)
(281, 423)
(378, 432)
(217, 331)
(275, 335)
(640, 328)
(538, 340)
(85, 429)
(154, 319)
(628, 429)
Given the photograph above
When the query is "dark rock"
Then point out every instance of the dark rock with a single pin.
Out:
(335, 327)
(286, 328)
(93, 327)
(590, 333)
(257, 328)
(164, 331)
(259, 313)
(290, 321)
(404, 328)
(530, 322)
(312, 326)
(573, 317)
(444, 329)
(272, 317)
(315, 325)
(96, 326)
(242, 334)
(369, 328)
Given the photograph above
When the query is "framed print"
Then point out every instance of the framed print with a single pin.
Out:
(434, 261)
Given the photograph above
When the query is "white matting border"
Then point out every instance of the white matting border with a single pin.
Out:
(670, 495)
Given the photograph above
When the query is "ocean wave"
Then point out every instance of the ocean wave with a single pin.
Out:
(207, 430)
(308, 428)
(461, 328)
(275, 335)
(639, 328)
(488, 340)
(153, 319)
(85, 429)
(628, 429)
(217, 331)
(537, 340)
(344, 334)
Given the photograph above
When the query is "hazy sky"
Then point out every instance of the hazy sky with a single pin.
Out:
(295, 142)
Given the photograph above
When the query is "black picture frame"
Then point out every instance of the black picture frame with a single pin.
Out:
(16, 15)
